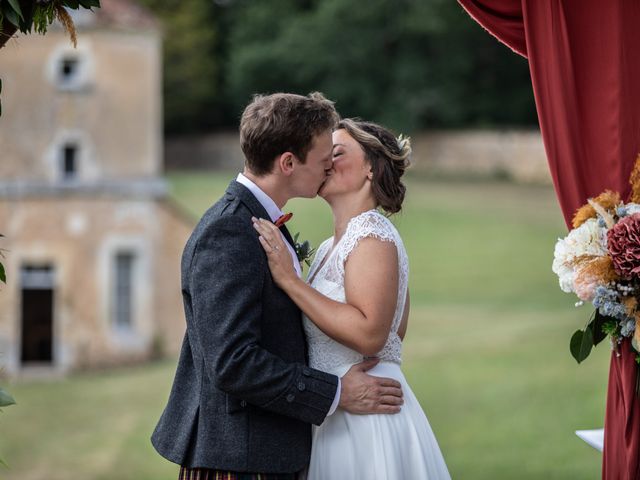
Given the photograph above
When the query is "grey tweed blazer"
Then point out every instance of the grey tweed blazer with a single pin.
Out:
(243, 398)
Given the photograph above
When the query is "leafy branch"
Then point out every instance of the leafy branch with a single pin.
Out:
(37, 15)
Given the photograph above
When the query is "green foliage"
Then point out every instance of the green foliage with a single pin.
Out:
(597, 329)
(37, 15)
(405, 63)
(5, 398)
(191, 66)
(581, 343)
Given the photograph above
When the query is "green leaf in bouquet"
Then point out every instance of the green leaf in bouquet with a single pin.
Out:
(15, 5)
(5, 398)
(599, 334)
(581, 343)
(12, 17)
(3, 276)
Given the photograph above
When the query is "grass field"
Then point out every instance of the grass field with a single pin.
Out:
(486, 353)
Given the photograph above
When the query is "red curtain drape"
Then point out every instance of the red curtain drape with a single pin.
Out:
(584, 59)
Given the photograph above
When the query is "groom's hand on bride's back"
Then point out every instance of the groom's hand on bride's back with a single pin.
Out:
(363, 393)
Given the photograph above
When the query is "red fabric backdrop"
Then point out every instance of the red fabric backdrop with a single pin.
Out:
(584, 58)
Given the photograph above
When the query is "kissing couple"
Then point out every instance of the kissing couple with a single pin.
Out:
(278, 377)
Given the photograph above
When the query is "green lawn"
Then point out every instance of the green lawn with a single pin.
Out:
(486, 353)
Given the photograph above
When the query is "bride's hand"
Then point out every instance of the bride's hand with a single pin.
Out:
(280, 262)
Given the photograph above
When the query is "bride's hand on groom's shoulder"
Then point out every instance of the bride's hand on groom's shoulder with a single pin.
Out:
(364, 394)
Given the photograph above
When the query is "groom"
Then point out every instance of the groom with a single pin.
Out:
(243, 399)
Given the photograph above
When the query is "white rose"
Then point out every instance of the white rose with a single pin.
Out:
(588, 239)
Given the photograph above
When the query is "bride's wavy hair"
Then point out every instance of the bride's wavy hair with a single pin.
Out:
(388, 157)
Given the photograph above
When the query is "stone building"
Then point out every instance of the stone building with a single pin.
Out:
(93, 241)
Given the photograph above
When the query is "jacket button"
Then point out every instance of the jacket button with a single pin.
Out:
(306, 371)
(291, 397)
(243, 403)
(301, 386)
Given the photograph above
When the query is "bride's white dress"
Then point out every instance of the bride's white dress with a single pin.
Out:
(400, 446)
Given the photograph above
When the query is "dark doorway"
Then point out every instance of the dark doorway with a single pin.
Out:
(37, 315)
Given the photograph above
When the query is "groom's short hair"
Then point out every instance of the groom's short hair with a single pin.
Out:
(283, 122)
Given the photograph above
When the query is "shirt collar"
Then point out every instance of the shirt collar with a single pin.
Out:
(264, 199)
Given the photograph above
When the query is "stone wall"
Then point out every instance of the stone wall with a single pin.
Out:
(79, 237)
(111, 109)
(518, 155)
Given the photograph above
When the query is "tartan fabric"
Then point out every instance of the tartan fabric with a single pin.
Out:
(208, 474)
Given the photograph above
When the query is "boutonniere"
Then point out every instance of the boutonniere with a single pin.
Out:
(304, 252)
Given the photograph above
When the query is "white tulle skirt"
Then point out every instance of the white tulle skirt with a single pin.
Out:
(390, 447)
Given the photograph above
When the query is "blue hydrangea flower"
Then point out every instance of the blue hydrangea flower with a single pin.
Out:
(628, 327)
(607, 302)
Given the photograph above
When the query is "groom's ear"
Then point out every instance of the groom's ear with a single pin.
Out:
(285, 163)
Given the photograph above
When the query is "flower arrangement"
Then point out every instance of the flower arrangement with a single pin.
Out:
(599, 261)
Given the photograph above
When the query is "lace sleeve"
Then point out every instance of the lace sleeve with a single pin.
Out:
(368, 224)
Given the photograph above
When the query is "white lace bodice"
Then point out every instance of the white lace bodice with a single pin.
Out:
(328, 278)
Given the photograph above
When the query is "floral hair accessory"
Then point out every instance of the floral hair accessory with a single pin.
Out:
(402, 142)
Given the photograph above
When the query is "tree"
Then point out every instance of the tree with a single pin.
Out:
(405, 63)
(191, 67)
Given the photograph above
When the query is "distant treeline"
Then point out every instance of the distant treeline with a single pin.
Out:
(410, 64)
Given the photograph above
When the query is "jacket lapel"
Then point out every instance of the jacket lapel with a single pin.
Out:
(237, 190)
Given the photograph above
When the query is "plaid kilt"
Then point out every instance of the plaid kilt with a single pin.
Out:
(208, 474)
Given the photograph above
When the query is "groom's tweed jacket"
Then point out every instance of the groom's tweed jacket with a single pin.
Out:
(243, 398)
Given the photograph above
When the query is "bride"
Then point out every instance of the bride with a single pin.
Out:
(356, 304)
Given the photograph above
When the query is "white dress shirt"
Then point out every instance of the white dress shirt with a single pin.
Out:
(274, 213)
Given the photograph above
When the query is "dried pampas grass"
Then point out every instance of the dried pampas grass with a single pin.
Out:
(608, 200)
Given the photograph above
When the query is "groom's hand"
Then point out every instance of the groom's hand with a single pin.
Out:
(363, 393)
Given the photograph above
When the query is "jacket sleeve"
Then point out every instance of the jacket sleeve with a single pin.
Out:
(226, 281)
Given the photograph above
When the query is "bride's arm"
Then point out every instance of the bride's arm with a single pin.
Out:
(371, 286)
(402, 329)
